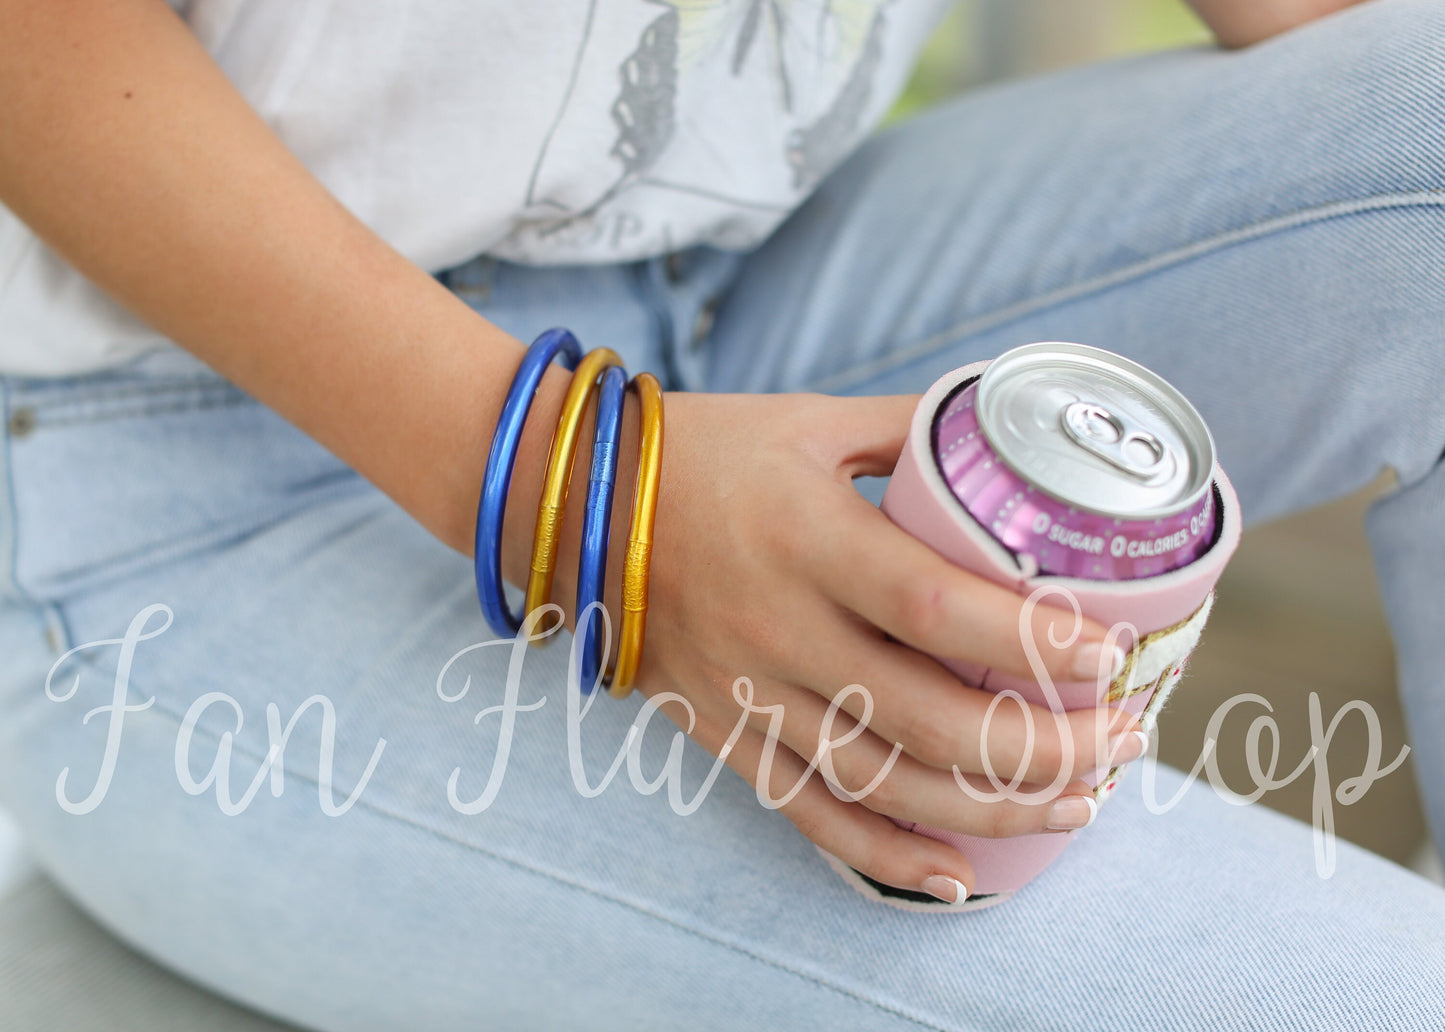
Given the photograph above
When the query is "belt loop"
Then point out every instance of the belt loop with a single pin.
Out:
(9, 588)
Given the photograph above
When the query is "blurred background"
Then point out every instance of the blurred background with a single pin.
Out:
(984, 40)
(1298, 611)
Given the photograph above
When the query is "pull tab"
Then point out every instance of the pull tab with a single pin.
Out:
(1099, 432)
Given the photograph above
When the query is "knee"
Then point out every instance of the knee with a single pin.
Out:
(1409, 30)
(1372, 84)
(1386, 45)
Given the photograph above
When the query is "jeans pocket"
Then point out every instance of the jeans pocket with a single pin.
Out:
(112, 472)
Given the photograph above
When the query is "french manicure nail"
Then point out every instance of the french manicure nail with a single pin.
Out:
(1087, 659)
(941, 886)
(1128, 748)
(1072, 813)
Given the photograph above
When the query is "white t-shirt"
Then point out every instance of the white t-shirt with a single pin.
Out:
(538, 131)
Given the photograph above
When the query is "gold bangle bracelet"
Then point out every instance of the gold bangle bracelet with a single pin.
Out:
(553, 506)
(637, 567)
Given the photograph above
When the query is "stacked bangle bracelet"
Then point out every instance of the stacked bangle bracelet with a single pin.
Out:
(637, 567)
(497, 481)
(559, 474)
(597, 521)
(598, 373)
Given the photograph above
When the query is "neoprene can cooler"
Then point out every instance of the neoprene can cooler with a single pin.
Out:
(1079, 472)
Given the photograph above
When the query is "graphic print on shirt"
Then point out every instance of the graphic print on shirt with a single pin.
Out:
(793, 79)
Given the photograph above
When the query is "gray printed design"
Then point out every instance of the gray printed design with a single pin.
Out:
(821, 59)
(644, 109)
(816, 148)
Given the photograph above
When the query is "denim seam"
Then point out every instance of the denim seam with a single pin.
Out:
(934, 343)
(198, 404)
(60, 395)
(238, 749)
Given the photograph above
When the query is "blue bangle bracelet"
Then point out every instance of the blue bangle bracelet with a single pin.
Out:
(497, 481)
(597, 521)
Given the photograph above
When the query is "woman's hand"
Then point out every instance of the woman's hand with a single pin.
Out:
(768, 565)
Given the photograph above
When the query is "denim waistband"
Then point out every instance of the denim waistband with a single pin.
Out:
(162, 381)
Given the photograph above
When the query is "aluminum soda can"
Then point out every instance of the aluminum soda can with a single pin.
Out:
(1081, 462)
(1067, 467)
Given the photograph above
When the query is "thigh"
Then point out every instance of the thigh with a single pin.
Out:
(371, 880)
(1262, 227)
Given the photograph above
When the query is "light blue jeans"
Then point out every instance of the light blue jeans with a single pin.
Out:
(1266, 229)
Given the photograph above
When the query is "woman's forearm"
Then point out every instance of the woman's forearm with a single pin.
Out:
(125, 147)
(1239, 23)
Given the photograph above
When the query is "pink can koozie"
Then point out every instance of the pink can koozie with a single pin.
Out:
(1059, 465)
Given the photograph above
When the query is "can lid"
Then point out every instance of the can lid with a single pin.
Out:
(1095, 430)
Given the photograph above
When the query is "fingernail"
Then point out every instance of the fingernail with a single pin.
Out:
(1072, 813)
(945, 888)
(1127, 748)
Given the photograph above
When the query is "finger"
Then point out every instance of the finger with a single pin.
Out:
(864, 768)
(941, 722)
(900, 585)
(866, 841)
